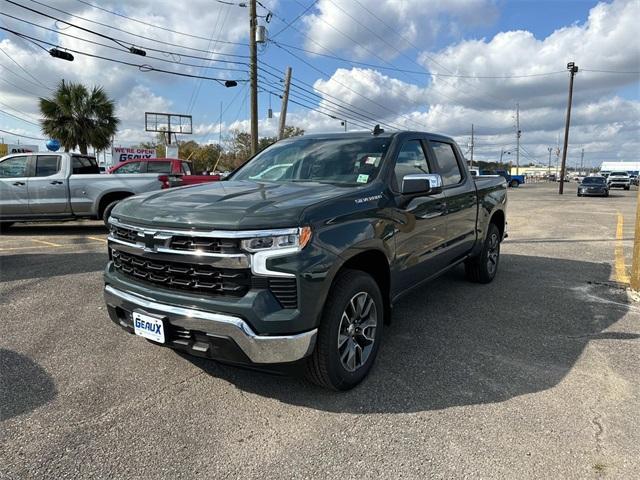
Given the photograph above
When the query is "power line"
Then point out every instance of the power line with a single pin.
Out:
(19, 118)
(21, 78)
(173, 55)
(610, 71)
(417, 72)
(326, 98)
(141, 67)
(127, 32)
(33, 119)
(288, 24)
(349, 88)
(20, 135)
(24, 69)
(191, 35)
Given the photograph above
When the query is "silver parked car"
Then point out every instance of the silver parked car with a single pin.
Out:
(60, 186)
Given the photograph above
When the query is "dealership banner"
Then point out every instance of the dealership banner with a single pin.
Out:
(121, 154)
(8, 148)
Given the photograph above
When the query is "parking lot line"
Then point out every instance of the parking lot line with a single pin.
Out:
(51, 244)
(621, 275)
(98, 239)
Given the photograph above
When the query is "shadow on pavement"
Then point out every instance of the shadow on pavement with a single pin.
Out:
(455, 343)
(24, 385)
(58, 229)
(25, 266)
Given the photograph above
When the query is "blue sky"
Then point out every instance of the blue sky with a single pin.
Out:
(465, 37)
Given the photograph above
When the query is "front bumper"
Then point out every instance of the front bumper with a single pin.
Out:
(597, 193)
(210, 334)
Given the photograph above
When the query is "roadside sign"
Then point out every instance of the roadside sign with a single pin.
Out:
(8, 148)
(121, 154)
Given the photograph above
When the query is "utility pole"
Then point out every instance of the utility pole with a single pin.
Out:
(549, 168)
(518, 132)
(285, 102)
(472, 142)
(344, 122)
(253, 73)
(573, 69)
(581, 159)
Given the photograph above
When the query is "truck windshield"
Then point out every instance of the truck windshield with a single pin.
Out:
(342, 161)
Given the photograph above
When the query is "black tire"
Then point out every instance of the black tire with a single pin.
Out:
(627, 188)
(514, 184)
(107, 212)
(325, 365)
(483, 268)
(579, 195)
(4, 226)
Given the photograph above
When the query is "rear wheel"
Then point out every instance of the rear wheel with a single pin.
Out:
(514, 183)
(483, 268)
(350, 332)
(4, 226)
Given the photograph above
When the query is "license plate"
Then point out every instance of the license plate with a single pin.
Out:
(148, 327)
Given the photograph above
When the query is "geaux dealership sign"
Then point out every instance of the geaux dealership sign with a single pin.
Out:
(121, 154)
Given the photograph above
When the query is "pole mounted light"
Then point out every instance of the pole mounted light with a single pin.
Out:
(61, 54)
(230, 83)
(573, 69)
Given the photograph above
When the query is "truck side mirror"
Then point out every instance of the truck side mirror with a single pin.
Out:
(421, 183)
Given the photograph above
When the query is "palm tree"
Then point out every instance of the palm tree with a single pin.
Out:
(79, 118)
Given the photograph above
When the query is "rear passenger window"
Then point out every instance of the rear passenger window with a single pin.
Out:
(448, 166)
(186, 169)
(158, 167)
(84, 165)
(411, 159)
(47, 165)
(133, 167)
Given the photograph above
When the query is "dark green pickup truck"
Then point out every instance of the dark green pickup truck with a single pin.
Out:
(298, 257)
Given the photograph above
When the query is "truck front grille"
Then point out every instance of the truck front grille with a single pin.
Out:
(123, 233)
(204, 244)
(194, 278)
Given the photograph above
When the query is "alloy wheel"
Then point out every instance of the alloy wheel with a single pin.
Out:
(357, 331)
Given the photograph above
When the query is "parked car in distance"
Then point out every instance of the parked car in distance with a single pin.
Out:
(512, 180)
(61, 186)
(302, 270)
(178, 172)
(619, 180)
(593, 186)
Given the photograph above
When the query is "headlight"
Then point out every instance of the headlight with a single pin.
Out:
(295, 239)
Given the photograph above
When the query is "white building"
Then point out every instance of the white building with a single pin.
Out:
(629, 167)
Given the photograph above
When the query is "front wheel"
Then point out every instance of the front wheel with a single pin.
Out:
(627, 188)
(107, 212)
(4, 226)
(350, 332)
(483, 268)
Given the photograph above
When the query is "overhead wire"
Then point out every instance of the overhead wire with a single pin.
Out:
(141, 67)
(172, 54)
(20, 135)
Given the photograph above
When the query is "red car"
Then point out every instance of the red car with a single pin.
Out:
(174, 172)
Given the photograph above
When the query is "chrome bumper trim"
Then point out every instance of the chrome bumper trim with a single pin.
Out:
(259, 348)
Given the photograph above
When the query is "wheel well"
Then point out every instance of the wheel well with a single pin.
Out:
(111, 197)
(499, 221)
(375, 263)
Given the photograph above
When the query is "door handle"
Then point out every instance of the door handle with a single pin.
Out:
(56, 182)
(18, 183)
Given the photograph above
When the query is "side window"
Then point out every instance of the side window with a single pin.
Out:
(133, 167)
(448, 165)
(47, 165)
(14, 167)
(84, 165)
(411, 159)
(186, 168)
(158, 167)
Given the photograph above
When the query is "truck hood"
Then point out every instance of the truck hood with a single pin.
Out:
(227, 205)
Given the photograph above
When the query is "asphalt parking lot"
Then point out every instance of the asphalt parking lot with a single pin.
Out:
(532, 376)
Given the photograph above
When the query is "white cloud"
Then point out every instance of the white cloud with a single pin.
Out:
(355, 26)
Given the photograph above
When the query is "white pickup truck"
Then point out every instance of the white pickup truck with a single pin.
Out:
(61, 186)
